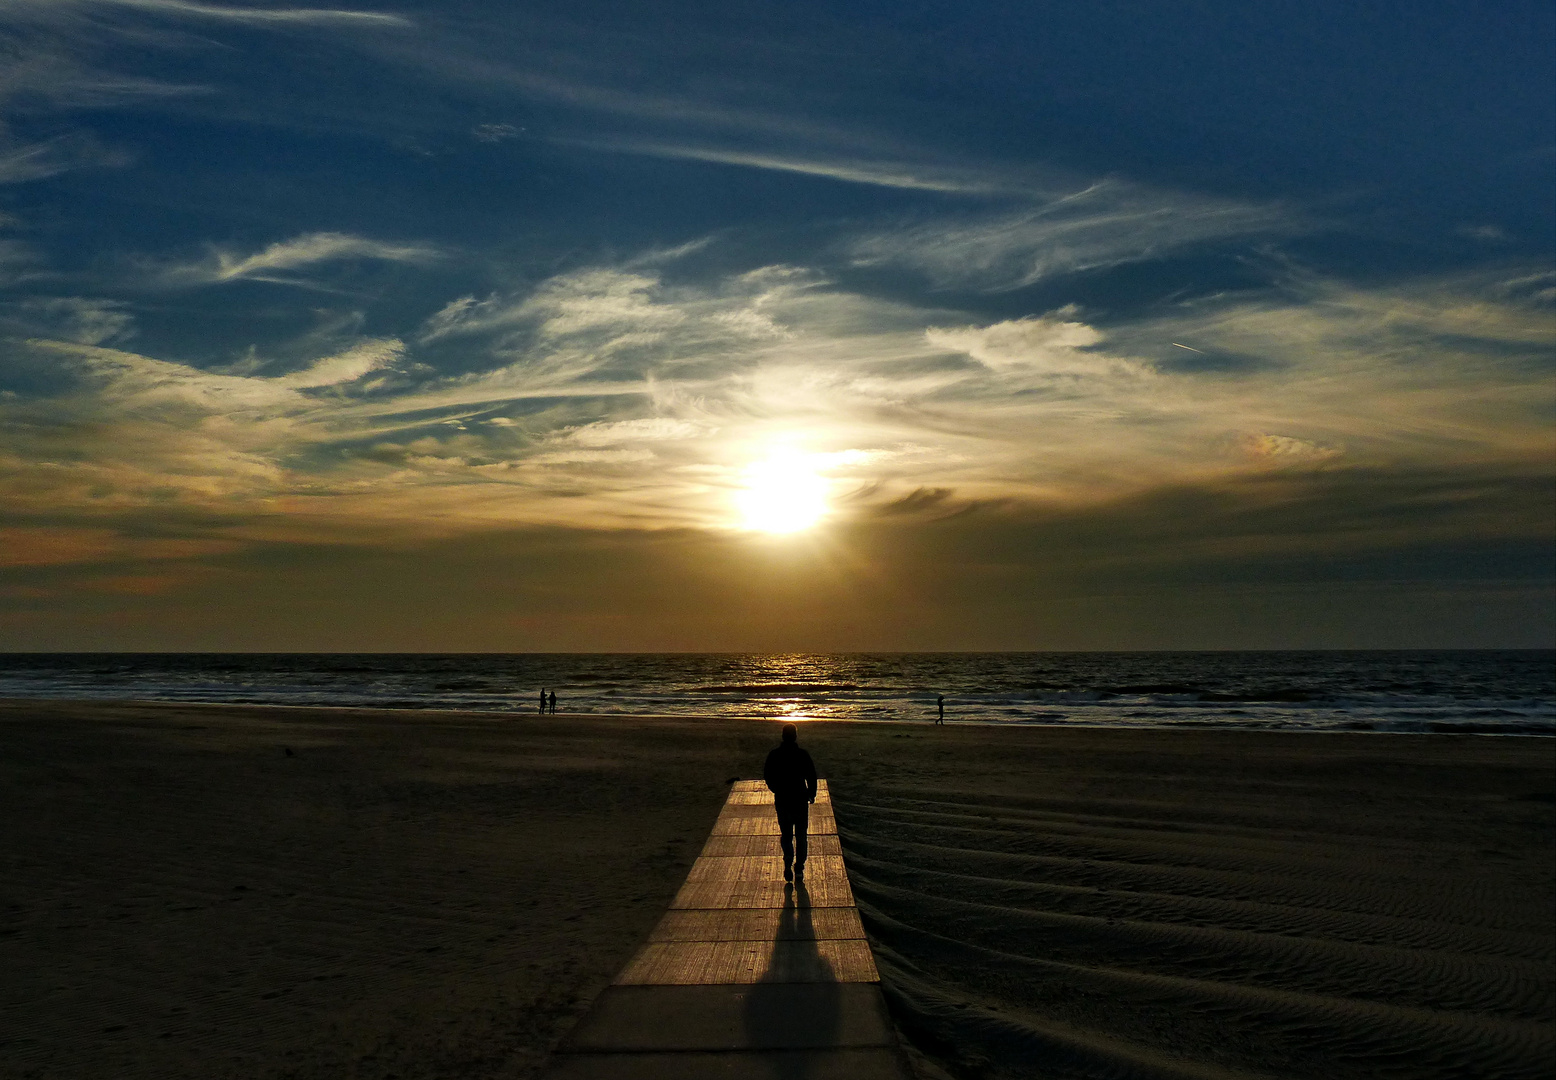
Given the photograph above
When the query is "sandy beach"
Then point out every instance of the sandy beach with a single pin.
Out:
(195, 891)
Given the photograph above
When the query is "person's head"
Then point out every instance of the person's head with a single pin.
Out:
(790, 733)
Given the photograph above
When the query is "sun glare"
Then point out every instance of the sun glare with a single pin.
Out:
(783, 493)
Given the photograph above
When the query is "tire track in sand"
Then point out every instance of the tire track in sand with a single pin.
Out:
(1018, 943)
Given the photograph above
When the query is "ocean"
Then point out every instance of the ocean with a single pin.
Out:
(1491, 692)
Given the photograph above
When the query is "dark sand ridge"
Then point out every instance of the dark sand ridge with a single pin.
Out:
(434, 894)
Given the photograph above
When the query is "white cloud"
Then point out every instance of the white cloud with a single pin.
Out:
(602, 299)
(495, 133)
(345, 367)
(1283, 449)
(18, 261)
(40, 160)
(139, 383)
(1538, 287)
(593, 457)
(509, 64)
(85, 320)
(1054, 344)
(645, 429)
(591, 300)
(37, 69)
(643, 402)
(279, 261)
(1463, 324)
(237, 12)
(1103, 225)
(908, 175)
(72, 54)
(1490, 234)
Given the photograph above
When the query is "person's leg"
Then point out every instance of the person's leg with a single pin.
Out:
(801, 836)
(786, 837)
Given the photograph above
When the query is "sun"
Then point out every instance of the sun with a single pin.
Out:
(782, 493)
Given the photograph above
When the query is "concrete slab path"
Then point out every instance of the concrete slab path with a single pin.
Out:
(746, 976)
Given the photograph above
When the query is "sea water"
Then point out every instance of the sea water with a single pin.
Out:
(1500, 692)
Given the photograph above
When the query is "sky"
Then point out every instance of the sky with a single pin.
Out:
(655, 326)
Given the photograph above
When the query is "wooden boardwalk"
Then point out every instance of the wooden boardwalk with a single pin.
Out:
(746, 975)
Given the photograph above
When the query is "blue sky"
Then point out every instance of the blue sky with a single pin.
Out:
(463, 325)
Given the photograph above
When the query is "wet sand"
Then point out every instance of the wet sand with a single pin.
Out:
(416, 894)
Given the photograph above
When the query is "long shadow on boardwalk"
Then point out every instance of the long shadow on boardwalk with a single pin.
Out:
(771, 1014)
(745, 976)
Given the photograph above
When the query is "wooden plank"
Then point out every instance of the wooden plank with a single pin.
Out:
(849, 960)
(759, 924)
(825, 844)
(740, 820)
(750, 798)
(760, 867)
(746, 825)
(731, 882)
(769, 893)
(759, 785)
(747, 808)
(755, 793)
(726, 963)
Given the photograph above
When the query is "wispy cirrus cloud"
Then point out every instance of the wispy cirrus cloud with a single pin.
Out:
(58, 55)
(239, 13)
(280, 262)
(81, 319)
(344, 367)
(610, 398)
(50, 157)
(568, 304)
(133, 433)
(908, 175)
(18, 261)
(143, 384)
(1057, 344)
(1105, 224)
(1498, 323)
(51, 74)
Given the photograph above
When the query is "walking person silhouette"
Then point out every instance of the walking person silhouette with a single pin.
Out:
(791, 777)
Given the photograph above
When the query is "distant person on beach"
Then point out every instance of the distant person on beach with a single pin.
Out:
(553, 702)
(941, 703)
(791, 777)
(542, 701)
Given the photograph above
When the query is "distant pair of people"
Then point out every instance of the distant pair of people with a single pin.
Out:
(790, 775)
(548, 704)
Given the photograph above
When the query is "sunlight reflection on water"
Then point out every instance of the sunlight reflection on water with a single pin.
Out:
(1510, 692)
